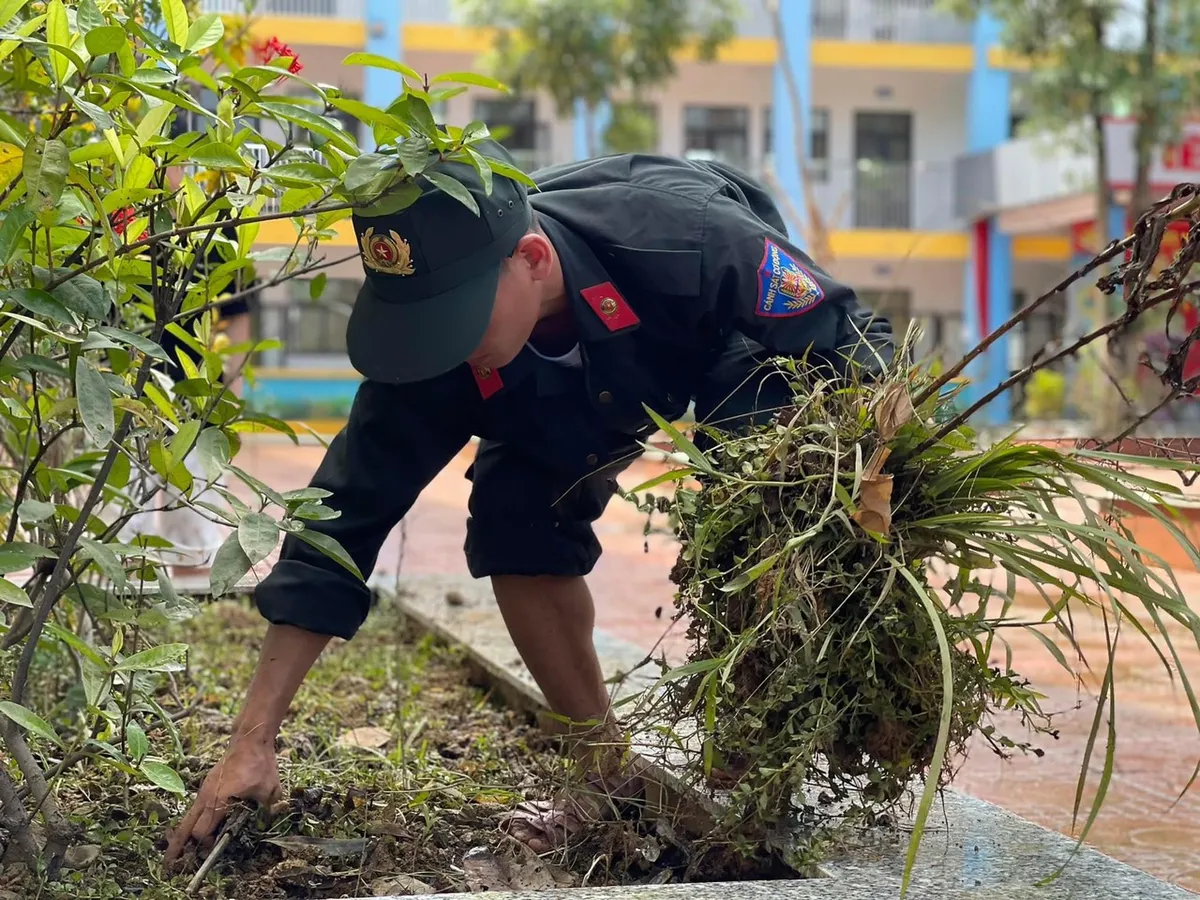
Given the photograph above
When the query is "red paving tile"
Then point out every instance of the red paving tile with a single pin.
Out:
(1157, 747)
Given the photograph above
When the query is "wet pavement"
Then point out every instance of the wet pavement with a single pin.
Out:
(1143, 822)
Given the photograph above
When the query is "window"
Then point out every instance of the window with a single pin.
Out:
(818, 141)
(718, 133)
(319, 326)
(514, 125)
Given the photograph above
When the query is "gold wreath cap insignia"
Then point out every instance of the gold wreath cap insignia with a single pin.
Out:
(389, 254)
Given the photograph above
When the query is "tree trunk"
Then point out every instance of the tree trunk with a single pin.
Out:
(1146, 114)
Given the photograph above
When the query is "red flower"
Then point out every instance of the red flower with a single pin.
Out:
(119, 219)
(274, 48)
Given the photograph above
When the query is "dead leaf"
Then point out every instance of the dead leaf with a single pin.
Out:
(81, 856)
(875, 463)
(399, 885)
(532, 873)
(875, 504)
(369, 737)
(484, 871)
(455, 598)
(893, 409)
(312, 847)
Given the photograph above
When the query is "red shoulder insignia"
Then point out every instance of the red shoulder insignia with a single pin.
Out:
(607, 303)
(488, 380)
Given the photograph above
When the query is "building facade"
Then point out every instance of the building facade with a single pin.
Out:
(909, 119)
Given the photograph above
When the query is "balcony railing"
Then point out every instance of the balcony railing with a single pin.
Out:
(902, 21)
(916, 196)
(317, 9)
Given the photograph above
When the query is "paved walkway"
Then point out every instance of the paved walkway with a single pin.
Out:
(1157, 746)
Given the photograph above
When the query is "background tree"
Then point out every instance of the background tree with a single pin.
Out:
(1091, 60)
(591, 51)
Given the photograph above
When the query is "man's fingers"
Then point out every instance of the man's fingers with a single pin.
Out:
(199, 824)
(179, 835)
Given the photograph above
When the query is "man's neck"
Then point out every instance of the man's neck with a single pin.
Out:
(554, 333)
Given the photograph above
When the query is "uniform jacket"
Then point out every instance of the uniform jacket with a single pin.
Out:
(664, 261)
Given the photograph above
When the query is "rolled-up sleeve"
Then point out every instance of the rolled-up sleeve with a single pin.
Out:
(394, 443)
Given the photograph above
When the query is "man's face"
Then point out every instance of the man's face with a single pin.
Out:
(518, 306)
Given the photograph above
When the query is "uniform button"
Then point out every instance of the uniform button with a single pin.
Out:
(592, 459)
(605, 397)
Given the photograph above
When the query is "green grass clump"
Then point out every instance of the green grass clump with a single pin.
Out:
(848, 572)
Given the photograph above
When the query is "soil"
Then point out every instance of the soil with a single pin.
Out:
(397, 771)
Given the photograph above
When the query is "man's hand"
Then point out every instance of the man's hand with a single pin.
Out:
(249, 771)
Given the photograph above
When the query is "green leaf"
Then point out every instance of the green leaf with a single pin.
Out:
(136, 744)
(163, 658)
(18, 555)
(943, 735)
(258, 534)
(45, 168)
(218, 156)
(175, 16)
(106, 39)
(454, 188)
(313, 123)
(13, 594)
(368, 114)
(470, 78)
(160, 774)
(40, 304)
(415, 154)
(136, 341)
(95, 402)
(16, 220)
(85, 295)
(331, 548)
(31, 722)
(213, 451)
(397, 197)
(299, 173)
(58, 31)
(316, 512)
(375, 61)
(205, 31)
(32, 511)
(96, 113)
(105, 558)
(500, 167)
(89, 18)
(228, 566)
(316, 287)
(306, 493)
(10, 8)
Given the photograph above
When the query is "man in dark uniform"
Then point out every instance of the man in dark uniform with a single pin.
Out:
(542, 325)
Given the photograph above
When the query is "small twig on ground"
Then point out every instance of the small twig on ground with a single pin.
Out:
(233, 826)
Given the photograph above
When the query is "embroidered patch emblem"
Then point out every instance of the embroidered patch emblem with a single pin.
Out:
(487, 379)
(785, 288)
(606, 302)
(389, 254)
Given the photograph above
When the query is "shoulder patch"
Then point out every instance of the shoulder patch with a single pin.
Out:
(785, 287)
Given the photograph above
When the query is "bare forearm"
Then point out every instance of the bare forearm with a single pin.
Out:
(287, 655)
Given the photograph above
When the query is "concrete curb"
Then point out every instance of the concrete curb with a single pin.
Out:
(972, 849)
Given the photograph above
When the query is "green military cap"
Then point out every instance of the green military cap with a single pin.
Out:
(431, 272)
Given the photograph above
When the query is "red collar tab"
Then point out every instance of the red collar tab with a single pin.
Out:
(488, 380)
(607, 303)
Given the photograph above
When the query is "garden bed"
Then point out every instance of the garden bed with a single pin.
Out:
(413, 808)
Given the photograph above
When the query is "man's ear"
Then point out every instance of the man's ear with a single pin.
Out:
(538, 254)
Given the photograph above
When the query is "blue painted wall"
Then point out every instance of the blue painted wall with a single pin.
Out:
(988, 111)
(797, 33)
(384, 20)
